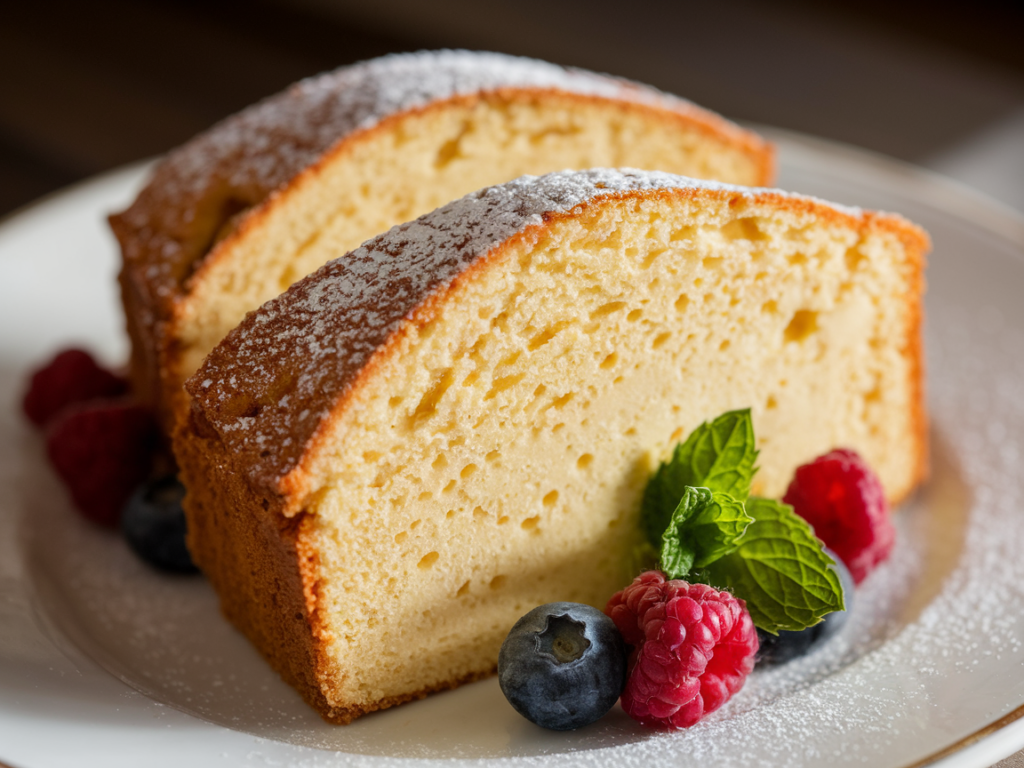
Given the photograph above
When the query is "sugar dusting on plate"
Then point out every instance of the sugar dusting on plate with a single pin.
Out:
(949, 598)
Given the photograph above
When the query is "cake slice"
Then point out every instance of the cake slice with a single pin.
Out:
(231, 219)
(391, 462)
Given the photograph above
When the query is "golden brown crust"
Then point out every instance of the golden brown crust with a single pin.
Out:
(253, 557)
(265, 568)
(169, 236)
(913, 351)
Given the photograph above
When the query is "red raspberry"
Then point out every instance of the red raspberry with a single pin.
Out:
(103, 451)
(71, 377)
(842, 499)
(692, 648)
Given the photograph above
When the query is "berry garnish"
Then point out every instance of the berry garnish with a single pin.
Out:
(842, 499)
(102, 451)
(691, 649)
(153, 522)
(786, 646)
(562, 665)
(72, 377)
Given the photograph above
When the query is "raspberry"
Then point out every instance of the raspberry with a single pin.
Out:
(842, 499)
(102, 451)
(692, 647)
(71, 377)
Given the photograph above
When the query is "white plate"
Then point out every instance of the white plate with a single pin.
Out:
(105, 663)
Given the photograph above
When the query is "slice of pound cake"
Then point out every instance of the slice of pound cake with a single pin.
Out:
(406, 451)
(231, 219)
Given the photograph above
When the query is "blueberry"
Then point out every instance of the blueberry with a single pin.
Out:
(154, 525)
(786, 646)
(563, 665)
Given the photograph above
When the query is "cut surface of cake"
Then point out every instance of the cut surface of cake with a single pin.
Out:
(394, 460)
(231, 219)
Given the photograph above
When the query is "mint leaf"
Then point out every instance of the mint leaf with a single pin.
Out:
(677, 550)
(721, 455)
(705, 526)
(718, 455)
(718, 528)
(780, 569)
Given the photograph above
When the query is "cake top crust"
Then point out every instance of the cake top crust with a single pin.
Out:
(247, 156)
(272, 383)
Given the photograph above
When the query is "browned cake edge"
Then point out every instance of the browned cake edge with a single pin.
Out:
(266, 575)
(248, 537)
(913, 350)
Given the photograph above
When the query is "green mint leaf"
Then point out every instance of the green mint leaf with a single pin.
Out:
(705, 525)
(718, 455)
(677, 551)
(780, 570)
(718, 529)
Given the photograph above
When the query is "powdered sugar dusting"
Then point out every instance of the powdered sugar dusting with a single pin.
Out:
(325, 328)
(246, 157)
(945, 607)
(283, 134)
(943, 659)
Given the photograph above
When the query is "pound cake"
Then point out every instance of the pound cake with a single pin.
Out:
(391, 462)
(231, 219)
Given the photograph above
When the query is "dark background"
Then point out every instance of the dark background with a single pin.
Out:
(89, 86)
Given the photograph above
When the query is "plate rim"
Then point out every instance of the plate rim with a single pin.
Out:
(987, 213)
(984, 212)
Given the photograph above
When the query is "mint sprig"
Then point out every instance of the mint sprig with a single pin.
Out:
(698, 513)
(718, 455)
(779, 568)
(704, 526)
